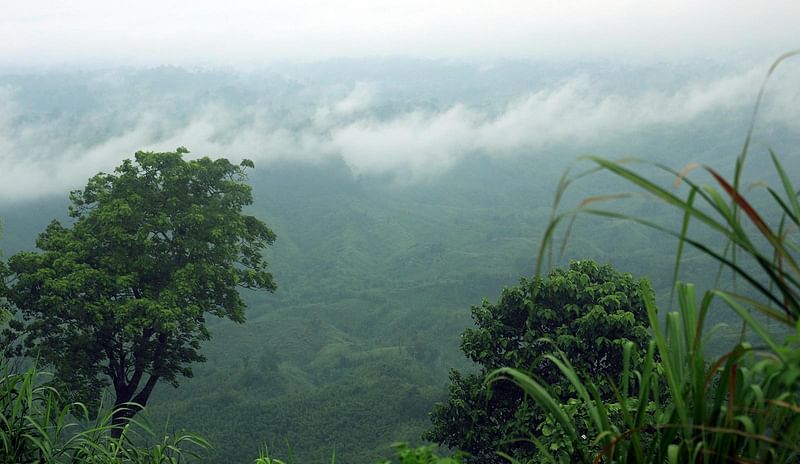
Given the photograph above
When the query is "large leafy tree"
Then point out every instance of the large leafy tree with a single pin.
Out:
(121, 295)
(588, 311)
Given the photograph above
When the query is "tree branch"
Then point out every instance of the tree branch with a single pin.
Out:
(142, 397)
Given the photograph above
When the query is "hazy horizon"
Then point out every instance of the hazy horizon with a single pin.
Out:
(398, 89)
(410, 120)
(248, 35)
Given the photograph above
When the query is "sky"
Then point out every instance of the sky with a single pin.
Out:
(47, 152)
(245, 34)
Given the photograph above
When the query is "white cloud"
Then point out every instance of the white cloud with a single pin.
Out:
(358, 99)
(36, 159)
(413, 144)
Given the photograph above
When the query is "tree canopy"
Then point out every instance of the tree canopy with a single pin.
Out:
(121, 295)
(588, 311)
(6, 334)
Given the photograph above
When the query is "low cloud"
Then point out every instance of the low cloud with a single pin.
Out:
(43, 156)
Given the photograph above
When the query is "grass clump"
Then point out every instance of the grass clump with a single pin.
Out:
(678, 403)
(37, 427)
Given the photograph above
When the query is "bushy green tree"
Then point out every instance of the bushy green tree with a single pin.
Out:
(121, 294)
(681, 403)
(588, 311)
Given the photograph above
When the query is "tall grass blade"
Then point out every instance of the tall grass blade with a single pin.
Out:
(681, 241)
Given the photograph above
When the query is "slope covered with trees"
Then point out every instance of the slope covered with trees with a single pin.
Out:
(377, 278)
(376, 283)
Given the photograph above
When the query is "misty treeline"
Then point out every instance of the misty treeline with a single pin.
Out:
(145, 273)
(63, 126)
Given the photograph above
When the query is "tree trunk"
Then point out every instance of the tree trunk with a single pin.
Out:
(122, 414)
(126, 405)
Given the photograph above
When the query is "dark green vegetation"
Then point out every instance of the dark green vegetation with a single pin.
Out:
(37, 425)
(376, 277)
(122, 293)
(588, 312)
(678, 403)
(355, 348)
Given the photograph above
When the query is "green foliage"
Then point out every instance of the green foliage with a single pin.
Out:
(368, 268)
(587, 311)
(743, 406)
(264, 458)
(363, 285)
(314, 420)
(6, 335)
(122, 293)
(686, 408)
(404, 453)
(36, 427)
(420, 455)
(5, 313)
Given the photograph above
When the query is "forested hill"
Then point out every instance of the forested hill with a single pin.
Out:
(376, 272)
(375, 283)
